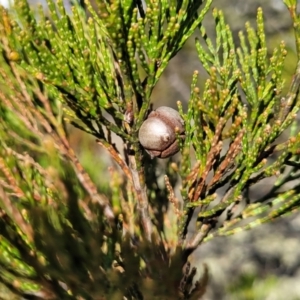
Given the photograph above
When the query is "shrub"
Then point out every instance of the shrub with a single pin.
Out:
(64, 235)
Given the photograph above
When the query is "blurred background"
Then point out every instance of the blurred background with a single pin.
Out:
(261, 264)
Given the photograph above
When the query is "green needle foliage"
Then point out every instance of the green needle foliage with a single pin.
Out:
(64, 237)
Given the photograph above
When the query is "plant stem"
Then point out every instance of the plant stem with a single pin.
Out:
(138, 178)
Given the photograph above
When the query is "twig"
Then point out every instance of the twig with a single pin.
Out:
(15, 215)
(287, 103)
(198, 237)
(215, 150)
(216, 147)
(116, 157)
(230, 156)
(85, 179)
(141, 194)
(13, 184)
(174, 201)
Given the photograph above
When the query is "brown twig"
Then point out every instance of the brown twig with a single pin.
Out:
(141, 194)
(15, 215)
(198, 237)
(85, 179)
(228, 160)
(216, 147)
(116, 157)
(209, 164)
(173, 200)
(11, 180)
(286, 103)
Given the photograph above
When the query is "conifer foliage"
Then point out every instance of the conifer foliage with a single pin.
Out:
(62, 234)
